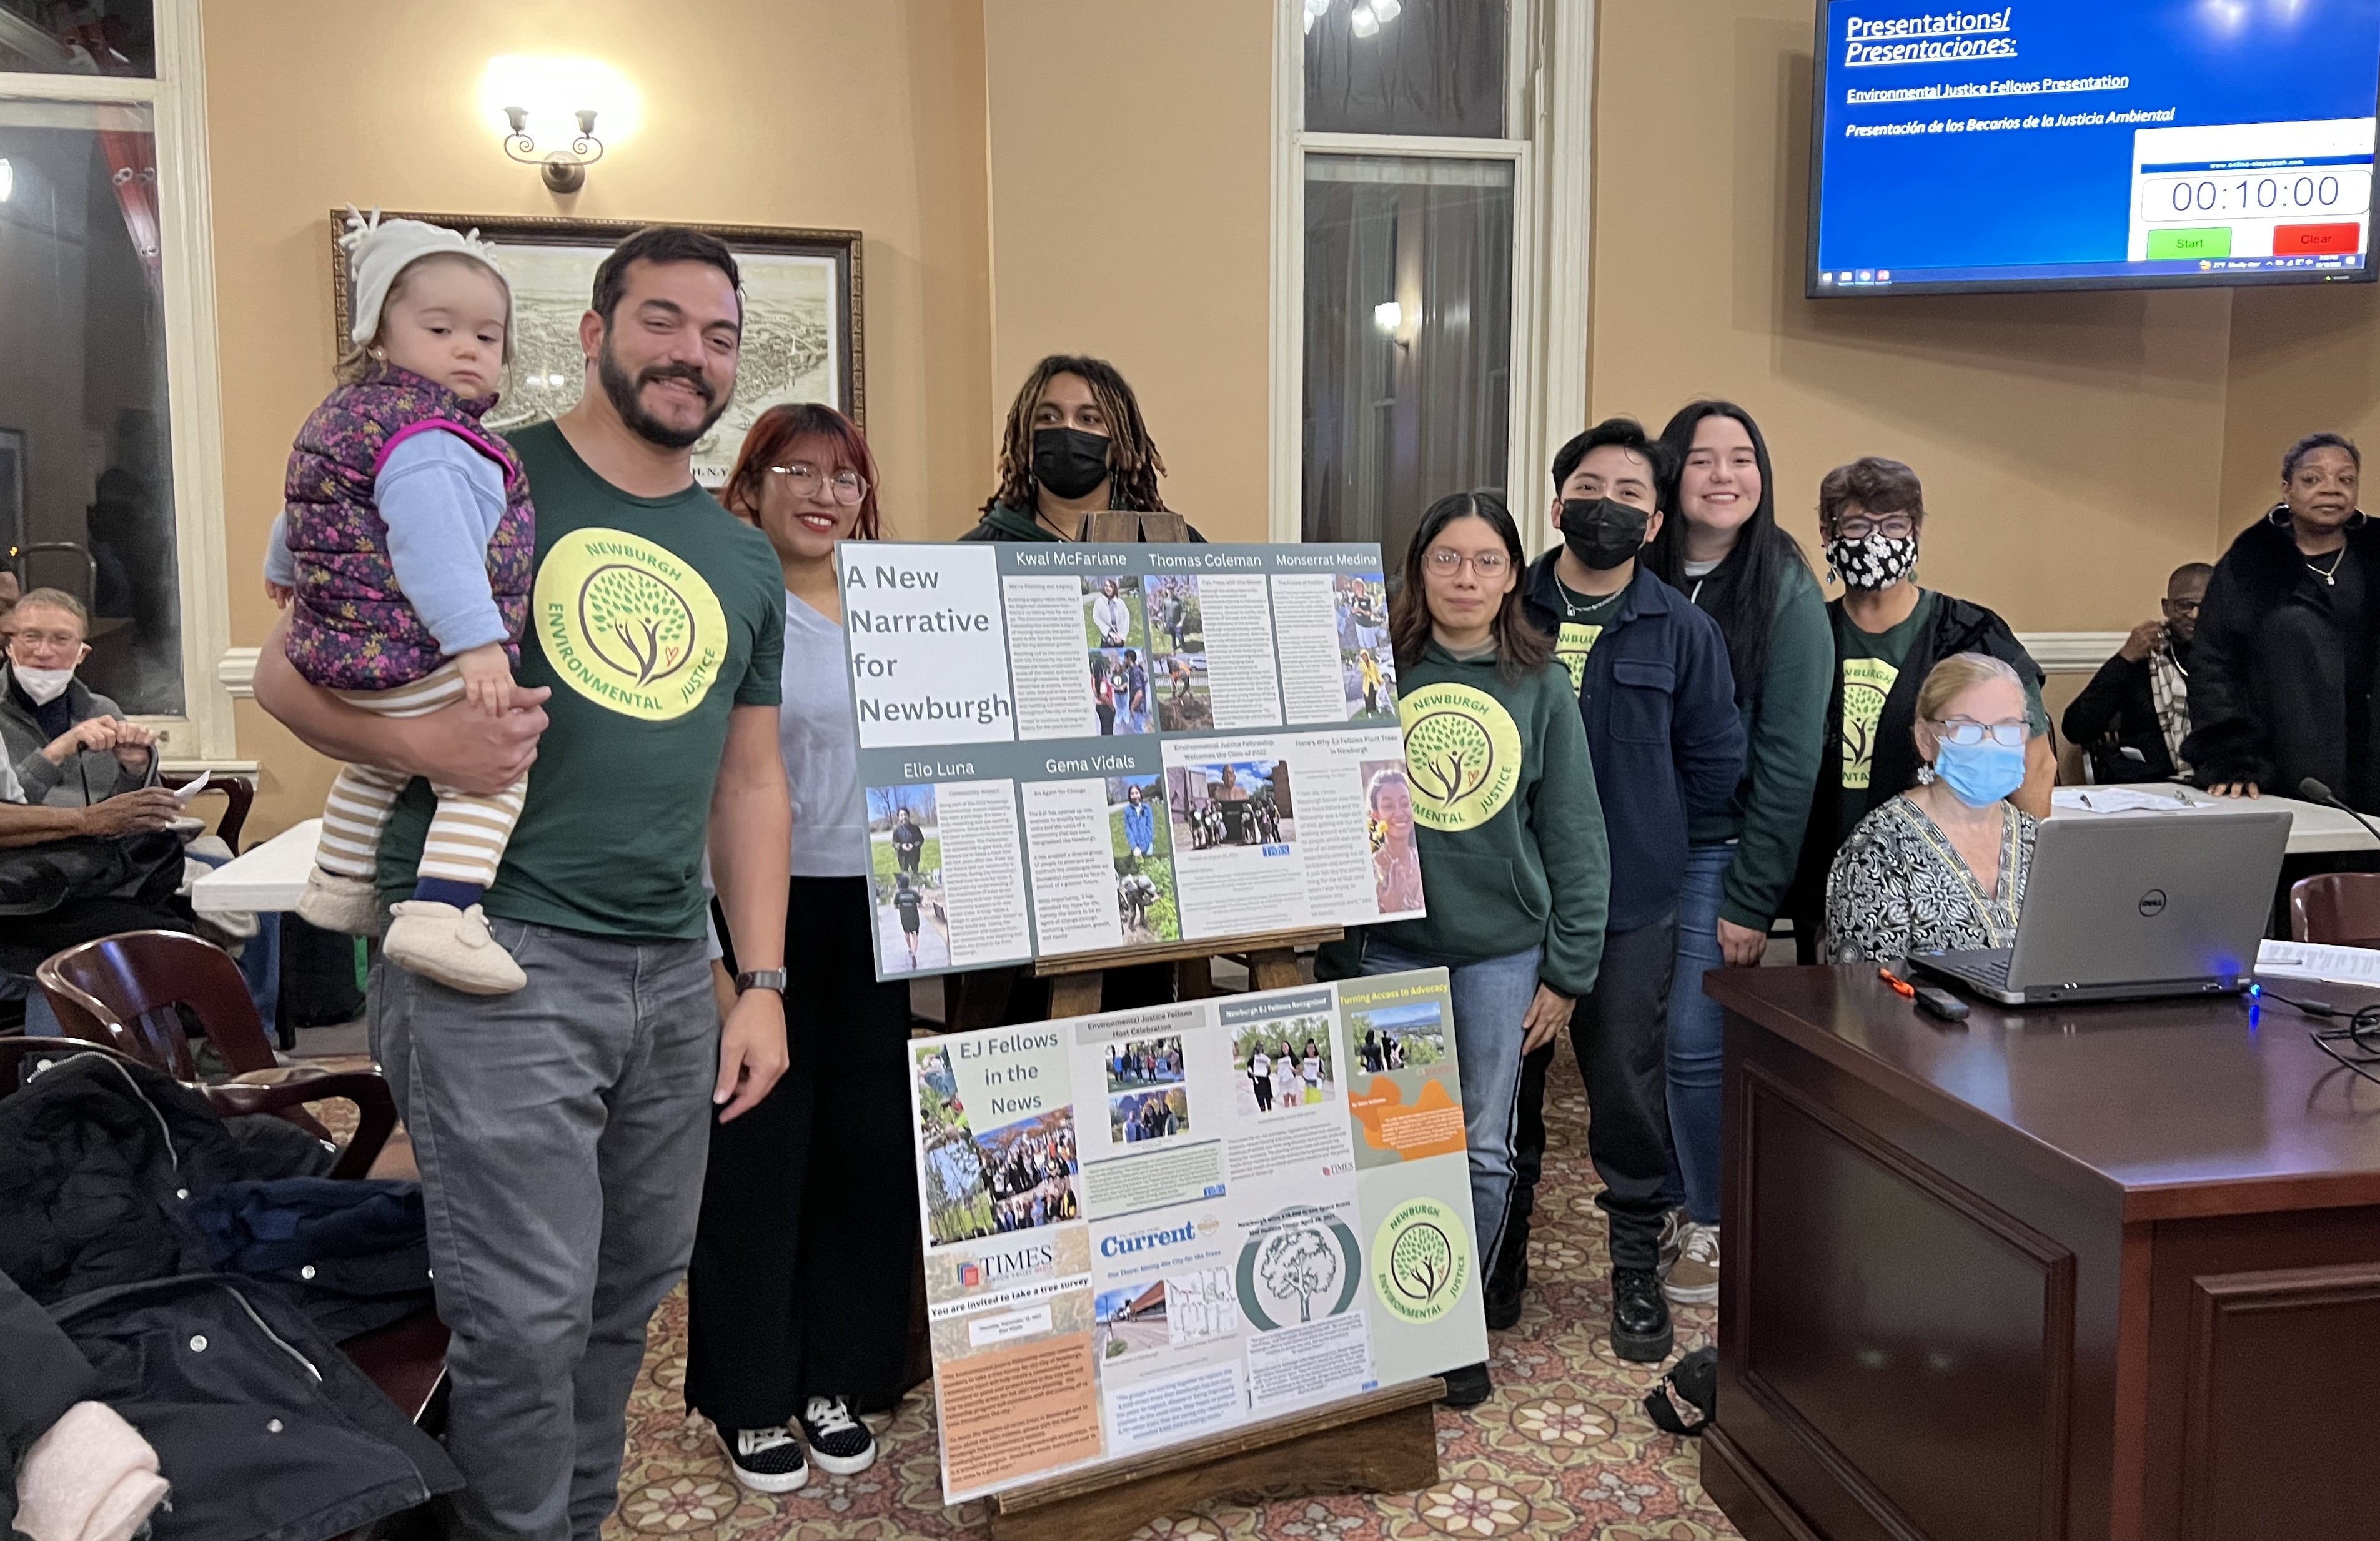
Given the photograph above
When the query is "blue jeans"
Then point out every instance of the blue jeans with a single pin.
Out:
(1490, 999)
(1696, 1035)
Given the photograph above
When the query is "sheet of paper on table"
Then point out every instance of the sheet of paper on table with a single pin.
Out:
(2126, 799)
(2306, 960)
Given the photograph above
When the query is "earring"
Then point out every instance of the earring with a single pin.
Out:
(1831, 577)
(1926, 775)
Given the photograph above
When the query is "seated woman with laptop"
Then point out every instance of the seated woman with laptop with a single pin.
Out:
(1942, 867)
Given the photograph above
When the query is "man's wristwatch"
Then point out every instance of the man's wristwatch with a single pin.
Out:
(762, 978)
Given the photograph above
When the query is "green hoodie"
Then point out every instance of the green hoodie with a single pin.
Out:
(1506, 820)
(1000, 522)
(1785, 729)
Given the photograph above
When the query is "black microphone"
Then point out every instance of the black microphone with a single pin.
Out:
(2315, 791)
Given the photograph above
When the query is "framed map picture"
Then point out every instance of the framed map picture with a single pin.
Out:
(802, 338)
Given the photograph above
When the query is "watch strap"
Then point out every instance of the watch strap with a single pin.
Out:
(762, 978)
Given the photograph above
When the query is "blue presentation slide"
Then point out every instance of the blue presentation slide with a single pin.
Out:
(2203, 141)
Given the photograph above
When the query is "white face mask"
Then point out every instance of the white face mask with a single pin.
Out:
(42, 686)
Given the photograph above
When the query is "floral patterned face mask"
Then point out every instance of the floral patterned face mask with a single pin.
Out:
(1873, 561)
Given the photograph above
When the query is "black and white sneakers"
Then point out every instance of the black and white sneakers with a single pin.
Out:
(839, 1443)
(766, 1459)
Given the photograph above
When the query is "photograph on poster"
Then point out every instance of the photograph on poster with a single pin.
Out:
(1282, 1064)
(1146, 899)
(1137, 1064)
(1396, 860)
(1113, 616)
(983, 1183)
(1232, 803)
(1398, 1038)
(1183, 702)
(905, 859)
(1362, 599)
(1120, 690)
(1159, 1113)
(1370, 678)
(1131, 1320)
(1176, 623)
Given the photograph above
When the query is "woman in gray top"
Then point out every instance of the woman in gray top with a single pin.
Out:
(799, 1285)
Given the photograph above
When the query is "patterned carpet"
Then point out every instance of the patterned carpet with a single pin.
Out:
(1562, 1449)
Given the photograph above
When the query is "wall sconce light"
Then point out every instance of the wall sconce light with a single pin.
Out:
(547, 109)
(564, 170)
(1389, 316)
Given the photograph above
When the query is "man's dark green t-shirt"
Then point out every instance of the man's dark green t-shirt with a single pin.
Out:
(649, 619)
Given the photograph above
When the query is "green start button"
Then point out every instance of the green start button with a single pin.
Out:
(2166, 245)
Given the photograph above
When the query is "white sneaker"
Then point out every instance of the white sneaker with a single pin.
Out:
(348, 905)
(839, 1443)
(439, 942)
(766, 1459)
(1694, 1279)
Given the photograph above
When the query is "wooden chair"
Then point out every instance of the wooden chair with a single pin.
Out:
(2340, 908)
(238, 798)
(408, 1359)
(124, 991)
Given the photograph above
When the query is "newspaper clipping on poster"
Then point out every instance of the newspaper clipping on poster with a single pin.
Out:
(1153, 1226)
(1071, 748)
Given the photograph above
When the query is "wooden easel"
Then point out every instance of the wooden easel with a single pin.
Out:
(1383, 1442)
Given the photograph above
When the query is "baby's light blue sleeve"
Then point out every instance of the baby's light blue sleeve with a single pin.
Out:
(442, 500)
(279, 565)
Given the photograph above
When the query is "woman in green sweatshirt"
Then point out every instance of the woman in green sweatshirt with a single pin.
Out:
(1514, 869)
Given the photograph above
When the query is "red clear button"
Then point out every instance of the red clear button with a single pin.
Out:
(2297, 240)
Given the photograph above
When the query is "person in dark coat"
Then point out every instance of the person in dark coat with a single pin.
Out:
(2281, 679)
(2132, 717)
(1888, 634)
(1074, 445)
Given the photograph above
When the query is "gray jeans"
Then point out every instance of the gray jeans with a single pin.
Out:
(561, 1132)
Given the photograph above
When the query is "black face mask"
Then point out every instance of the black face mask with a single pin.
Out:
(1068, 461)
(1603, 533)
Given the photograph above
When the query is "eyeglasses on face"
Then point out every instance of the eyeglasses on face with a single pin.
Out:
(805, 481)
(1968, 733)
(1446, 562)
(1892, 527)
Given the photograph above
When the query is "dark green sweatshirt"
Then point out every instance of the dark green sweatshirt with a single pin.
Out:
(1505, 818)
(1785, 728)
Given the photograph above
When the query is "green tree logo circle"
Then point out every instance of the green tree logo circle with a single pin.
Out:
(636, 623)
(1448, 756)
(1421, 1260)
(1421, 1263)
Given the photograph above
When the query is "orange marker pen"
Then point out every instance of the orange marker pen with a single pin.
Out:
(1900, 986)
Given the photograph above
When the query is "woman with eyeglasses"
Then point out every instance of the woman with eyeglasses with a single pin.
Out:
(1514, 867)
(799, 1285)
(1942, 866)
(1888, 634)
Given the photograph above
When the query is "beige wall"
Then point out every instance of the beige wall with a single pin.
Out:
(794, 112)
(1131, 218)
(2072, 445)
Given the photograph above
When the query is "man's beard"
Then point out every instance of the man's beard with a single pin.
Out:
(627, 399)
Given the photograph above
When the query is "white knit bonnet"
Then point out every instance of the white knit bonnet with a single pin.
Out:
(378, 250)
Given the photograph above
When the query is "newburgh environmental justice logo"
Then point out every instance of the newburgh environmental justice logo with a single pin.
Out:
(627, 624)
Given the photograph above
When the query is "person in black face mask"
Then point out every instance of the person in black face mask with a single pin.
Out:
(1888, 634)
(1658, 699)
(1074, 445)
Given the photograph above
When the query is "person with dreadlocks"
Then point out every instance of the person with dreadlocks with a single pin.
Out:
(1074, 445)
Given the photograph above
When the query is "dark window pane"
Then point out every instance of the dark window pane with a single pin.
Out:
(85, 464)
(77, 37)
(1408, 339)
(1405, 67)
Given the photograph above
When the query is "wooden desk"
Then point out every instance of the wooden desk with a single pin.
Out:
(2097, 1272)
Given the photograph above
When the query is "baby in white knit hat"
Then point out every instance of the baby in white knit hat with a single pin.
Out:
(404, 551)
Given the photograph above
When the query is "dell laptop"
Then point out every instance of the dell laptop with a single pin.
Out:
(2133, 907)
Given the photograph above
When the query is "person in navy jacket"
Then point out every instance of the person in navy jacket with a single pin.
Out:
(1659, 700)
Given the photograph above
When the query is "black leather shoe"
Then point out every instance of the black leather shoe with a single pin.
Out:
(1469, 1385)
(1641, 1330)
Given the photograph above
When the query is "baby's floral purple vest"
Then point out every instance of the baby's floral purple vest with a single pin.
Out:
(350, 627)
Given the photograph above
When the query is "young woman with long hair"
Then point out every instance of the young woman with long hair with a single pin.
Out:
(1720, 546)
(799, 1285)
(1074, 444)
(1514, 865)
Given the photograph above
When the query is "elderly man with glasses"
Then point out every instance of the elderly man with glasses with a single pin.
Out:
(69, 746)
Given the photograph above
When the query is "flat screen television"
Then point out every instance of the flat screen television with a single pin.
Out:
(2077, 144)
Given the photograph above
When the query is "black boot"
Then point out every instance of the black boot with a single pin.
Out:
(1640, 1331)
(1509, 1279)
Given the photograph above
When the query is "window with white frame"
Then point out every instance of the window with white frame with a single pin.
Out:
(1428, 254)
(109, 484)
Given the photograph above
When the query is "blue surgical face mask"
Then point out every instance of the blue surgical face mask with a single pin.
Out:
(1980, 774)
